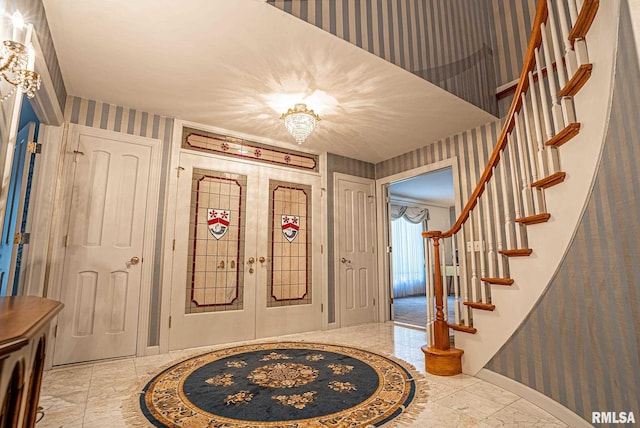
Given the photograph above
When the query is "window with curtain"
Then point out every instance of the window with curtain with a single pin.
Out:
(407, 225)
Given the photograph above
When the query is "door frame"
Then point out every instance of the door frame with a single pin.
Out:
(72, 134)
(169, 232)
(384, 310)
(337, 176)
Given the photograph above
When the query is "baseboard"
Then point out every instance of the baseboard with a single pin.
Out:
(332, 325)
(545, 403)
(150, 350)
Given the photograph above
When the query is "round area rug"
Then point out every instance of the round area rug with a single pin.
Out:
(285, 384)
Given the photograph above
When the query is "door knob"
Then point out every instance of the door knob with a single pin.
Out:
(343, 260)
(262, 259)
(134, 260)
(251, 261)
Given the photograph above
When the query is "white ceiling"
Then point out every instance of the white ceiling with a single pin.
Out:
(236, 65)
(434, 188)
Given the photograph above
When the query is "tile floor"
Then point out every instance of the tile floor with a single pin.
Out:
(102, 394)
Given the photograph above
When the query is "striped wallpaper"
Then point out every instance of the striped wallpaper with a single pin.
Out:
(341, 164)
(587, 324)
(34, 13)
(472, 148)
(134, 122)
(447, 42)
(513, 20)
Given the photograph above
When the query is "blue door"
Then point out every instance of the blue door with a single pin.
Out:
(12, 212)
(17, 200)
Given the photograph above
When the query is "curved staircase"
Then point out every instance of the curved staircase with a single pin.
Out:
(519, 221)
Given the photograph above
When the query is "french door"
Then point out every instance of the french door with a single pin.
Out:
(246, 261)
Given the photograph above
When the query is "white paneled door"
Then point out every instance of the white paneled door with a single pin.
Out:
(246, 258)
(355, 249)
(103, 261)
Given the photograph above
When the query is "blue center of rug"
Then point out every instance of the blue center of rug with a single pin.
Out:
(280, 385)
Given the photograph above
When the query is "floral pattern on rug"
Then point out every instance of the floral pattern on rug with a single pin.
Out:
(280, 384)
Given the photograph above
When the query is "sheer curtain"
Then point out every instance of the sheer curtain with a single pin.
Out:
(408, 250)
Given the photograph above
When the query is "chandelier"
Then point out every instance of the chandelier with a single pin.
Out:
(300, 122)
(17, 63)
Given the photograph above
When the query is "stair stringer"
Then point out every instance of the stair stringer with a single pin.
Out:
(566, 203)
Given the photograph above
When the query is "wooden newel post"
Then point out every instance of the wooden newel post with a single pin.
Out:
(441, 359)
(440, 328)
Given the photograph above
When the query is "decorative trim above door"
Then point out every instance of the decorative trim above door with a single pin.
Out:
(193, 139)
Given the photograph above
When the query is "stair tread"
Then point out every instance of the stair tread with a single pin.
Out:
(549, 181)
(584, 21)
(578, 80)
(498, 281)
(534, 219)
(480, 305)
(463, 328)
(566, 134)
(519, 252)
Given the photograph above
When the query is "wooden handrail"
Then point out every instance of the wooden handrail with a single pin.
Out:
(511, 89)
(441, 358)
(523, 84)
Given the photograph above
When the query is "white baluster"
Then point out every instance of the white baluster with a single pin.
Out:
(569, 53)
(463, 275)
(490, 229)
(519, 241)
(550, 152)
(526, 147)
(499, 225)
(573, 12)
(456, 282)
(555, 39)
(579, 45)
(474, 275)
(525, 175)
(481, 251)
(541, 171)
(509, 233)
(556, 110)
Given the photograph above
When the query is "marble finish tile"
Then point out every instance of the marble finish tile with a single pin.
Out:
(470, 404)
(102, 394)
(522, 414)
(436, 415)
(62, 410)
(492, 392)
(106, 410)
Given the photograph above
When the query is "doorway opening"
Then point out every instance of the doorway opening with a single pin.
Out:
(420, 203)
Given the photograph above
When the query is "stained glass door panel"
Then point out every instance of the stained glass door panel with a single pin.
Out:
(215, 277)
(213, 288)
(289, 284)
(289, 274)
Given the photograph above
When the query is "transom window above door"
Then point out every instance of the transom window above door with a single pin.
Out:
(193, 139)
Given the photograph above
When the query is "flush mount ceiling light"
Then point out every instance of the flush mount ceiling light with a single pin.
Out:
(300, 122)
(17, 61)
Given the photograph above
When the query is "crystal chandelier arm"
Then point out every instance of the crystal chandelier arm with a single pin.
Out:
(10, 63)
(15, 82)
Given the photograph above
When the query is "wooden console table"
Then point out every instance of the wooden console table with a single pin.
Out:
(24, 325)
